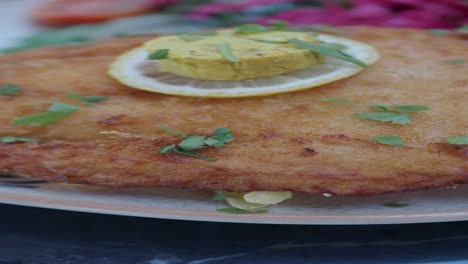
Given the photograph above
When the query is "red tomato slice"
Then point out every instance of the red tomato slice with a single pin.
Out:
(66, 12)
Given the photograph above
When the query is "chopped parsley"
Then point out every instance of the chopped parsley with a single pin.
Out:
(394, 118)
(230, 210)
(456, 61)
(401, 108)
(225, 50)
(9, 89)
(337, 100)
(159, 54)
(269, 41)
(458, 140)
(253, 28)
(12, 139)
(393, 140)
(190, 143)
(91, 99)
(218, 197)
(194, 36)
(326, 50)
(56, 112)
(395, 204)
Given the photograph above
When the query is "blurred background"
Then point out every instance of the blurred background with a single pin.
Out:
(59, 22)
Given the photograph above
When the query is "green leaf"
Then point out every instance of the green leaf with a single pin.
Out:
(194, 36)
(393, 140)
(192, 142)
(439, 32)
(92, 99)
(56, 112)
(9, 89)
(326, 51)
(456, 61)
(395, 204)
(394, 118)
(226, 52)
(159, 54)
(337, 100)
(458, 140)
(252, 28)
(11, 139)
(337, 46)
(401, 108)
(163, 127)
(221, 136)
(269, 41)
(191, 154)
(240, 211)
(218, 197)
(278, 24)
(167, 149)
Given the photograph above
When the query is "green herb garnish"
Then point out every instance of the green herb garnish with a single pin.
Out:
(226, 52)
(56, 112)
(194, 36)
(91, 99)
(325, 50)
(269, 41)
(12, 139)
(395, 204)
(159, 54)
(190, 143)
(253, 28)
(337, 100)
(240, 211)
(393, 140)
(458, 140)
(456, 61)
(9, 89)
(439, 32)
(218, 197)
(401, 108)
(394, 118)
(278, 24)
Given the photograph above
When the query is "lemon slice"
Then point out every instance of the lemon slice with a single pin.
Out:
(134, 70)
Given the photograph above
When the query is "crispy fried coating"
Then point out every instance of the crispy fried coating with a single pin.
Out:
(289, 141)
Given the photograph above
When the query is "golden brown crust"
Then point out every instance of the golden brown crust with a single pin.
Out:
(283, 142)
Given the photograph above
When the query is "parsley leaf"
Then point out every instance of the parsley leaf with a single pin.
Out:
(9, 89)
(278, 24)
(219, 196)
(395, 118)
(253, 28)
(159, 54)
(91, 99)
(456, 61)
(190, 143)
(402, 108)
(337, 100)
(393, 140)
(56, 112)
(458, 140)
(326, 51)
(194, 36)
(395, 204)
(12, 139)
(226, 52)
(240, 211)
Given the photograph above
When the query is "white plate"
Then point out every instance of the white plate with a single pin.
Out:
(450, 204)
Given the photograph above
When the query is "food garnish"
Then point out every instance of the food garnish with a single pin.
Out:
(456, 61)
(159, 54)
(9, 89)
(56, 112)
(90, 99)
(230, 210)
(393, 117)
(395, 204)
(190, 143)
(12, 139)
(393, 140)
(458, 140)
(337, 100)
(225, 50)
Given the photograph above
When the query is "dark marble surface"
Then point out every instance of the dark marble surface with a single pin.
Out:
(42, 236)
